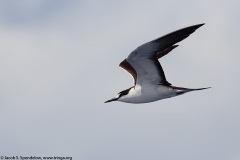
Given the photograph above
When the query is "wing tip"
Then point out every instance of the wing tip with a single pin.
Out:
(198, 26)
(201, 24)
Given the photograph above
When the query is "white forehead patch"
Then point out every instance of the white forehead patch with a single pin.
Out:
(117, 96)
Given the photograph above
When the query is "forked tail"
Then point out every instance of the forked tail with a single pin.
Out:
(180, 90)
(197, 89)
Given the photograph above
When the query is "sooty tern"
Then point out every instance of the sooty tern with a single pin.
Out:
(150, 83)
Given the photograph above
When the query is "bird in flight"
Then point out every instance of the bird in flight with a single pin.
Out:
(150, 83)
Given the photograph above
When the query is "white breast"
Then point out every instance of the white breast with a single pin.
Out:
(147, 93)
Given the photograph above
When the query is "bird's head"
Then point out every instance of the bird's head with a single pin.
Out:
(120, 95)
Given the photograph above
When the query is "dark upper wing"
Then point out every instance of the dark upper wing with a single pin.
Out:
(150, 49)
(144, 58)
(125, 65)
(165, 51)
(175, 37)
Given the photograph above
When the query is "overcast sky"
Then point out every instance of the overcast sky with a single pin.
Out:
(59, 63)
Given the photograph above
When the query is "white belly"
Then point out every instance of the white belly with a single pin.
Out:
(148, 94)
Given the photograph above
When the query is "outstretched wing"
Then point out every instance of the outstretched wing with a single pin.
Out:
(144, 59)
(125, 65)
(165, 51)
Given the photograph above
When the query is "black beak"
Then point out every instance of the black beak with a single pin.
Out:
(113, 99)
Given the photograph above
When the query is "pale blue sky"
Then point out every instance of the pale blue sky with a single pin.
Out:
(59, 63)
